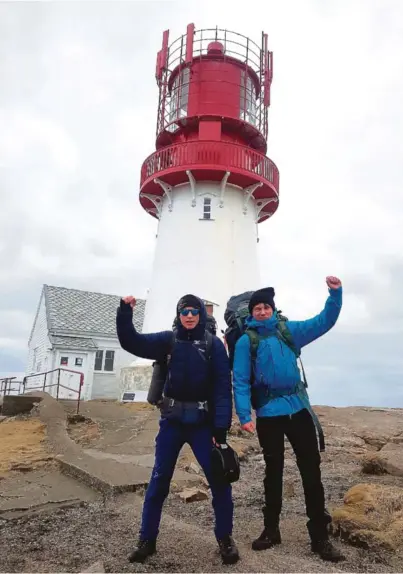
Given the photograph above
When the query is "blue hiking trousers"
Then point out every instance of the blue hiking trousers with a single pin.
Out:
(169, 441)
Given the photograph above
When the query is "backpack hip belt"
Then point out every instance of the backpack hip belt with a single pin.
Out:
(169, 402)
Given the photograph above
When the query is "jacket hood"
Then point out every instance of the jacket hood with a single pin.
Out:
(198, 332)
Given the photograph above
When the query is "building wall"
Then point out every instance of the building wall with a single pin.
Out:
(212, 258)
(107, 384)
(72, 380)
(39, 347)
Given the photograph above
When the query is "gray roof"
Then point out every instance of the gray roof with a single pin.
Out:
(75, 343)
(75, 312)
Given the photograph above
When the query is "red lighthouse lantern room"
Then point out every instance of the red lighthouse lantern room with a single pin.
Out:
(214, 95)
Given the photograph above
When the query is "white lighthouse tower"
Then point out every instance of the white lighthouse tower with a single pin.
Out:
(209, 183)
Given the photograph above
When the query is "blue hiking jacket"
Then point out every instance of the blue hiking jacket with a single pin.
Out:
(276, 364)
(191, 377)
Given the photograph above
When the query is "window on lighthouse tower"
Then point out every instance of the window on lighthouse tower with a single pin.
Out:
(207, 208)
(248, 99)
(179, 96)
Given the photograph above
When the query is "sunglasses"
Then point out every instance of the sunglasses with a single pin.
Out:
(193, 312)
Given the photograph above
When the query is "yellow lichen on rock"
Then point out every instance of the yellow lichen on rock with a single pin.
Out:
(371, 517)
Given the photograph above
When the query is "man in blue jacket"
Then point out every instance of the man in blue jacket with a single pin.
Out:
(281, 411)
(197, 409)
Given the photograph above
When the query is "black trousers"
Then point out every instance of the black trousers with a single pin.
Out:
(300, 431)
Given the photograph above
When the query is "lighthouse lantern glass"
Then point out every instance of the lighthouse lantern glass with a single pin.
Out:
(248, 100)
(179, 96)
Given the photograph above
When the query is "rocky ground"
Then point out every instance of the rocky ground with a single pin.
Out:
(368, 522)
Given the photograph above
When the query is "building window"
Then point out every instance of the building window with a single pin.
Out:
(64, 361)
(207, 208)
(99, 355)
(109, 360)
(104, 361)
(79, 362)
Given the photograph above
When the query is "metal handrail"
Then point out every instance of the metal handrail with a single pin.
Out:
(4, 381)
(58, 384)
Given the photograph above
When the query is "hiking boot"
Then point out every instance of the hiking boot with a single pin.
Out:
(228, 550)
(327, 551)
(269, 538)
(143, 550)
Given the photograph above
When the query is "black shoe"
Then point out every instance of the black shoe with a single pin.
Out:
(327, 551)
(269, 538)
(228, 550)
(144, 549)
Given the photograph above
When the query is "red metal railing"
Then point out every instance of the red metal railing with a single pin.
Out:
(219, 155)
(58, 385)
(236, 46)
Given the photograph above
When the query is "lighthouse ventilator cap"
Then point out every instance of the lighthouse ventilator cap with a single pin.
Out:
(265, 295)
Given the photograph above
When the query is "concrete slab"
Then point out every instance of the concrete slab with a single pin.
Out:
(41, 491)
(114, 474)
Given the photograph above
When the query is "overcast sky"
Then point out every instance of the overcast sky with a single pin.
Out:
(77, 118)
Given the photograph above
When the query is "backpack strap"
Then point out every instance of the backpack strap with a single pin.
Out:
(254, 340)
(171, 347)
(303, 395)
(285, 335)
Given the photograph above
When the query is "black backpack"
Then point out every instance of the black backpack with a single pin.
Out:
(235, 315)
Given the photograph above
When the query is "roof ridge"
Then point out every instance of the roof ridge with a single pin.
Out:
(87, 291)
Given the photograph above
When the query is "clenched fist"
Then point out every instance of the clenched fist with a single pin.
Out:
(333, 282)
(129, 300)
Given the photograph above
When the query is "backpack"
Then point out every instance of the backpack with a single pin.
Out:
(161, 367)
(235, 316)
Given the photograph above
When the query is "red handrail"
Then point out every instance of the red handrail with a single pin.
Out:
(223, 155)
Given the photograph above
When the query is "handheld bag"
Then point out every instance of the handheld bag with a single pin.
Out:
(225, 465)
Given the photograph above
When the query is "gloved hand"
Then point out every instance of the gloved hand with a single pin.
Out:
(220, 436)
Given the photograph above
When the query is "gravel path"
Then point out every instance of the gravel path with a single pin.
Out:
(70, 540)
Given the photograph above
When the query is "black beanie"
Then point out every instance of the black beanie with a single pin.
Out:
(265, 295)
(189, 301)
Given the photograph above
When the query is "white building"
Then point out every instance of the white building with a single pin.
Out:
(75, 331)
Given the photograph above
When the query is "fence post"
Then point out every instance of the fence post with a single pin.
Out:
(58, 383)
(79, 392)
(44, 382)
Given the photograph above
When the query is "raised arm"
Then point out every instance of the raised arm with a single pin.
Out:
(153, 346)
(304, 332)
(241, 380)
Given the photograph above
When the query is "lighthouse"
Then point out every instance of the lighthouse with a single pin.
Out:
(209, 183)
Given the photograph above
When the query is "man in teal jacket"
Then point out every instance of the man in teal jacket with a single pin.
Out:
(283, 412)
